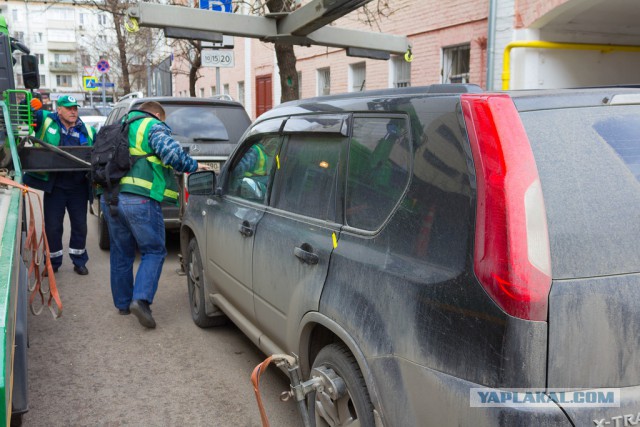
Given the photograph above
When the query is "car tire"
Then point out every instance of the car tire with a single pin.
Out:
(103, 233)
(354, 405)
(195, 286)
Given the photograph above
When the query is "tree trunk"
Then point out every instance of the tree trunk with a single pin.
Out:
(122, 51)
(194, 66)
(288, 75)
(286, 57)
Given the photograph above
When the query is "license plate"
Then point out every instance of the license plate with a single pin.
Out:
(215, 166)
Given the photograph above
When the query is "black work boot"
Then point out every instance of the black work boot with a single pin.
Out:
(140, 309)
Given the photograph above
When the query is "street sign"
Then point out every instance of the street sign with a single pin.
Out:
(99, 84)
(89, 83)
(103, 66)
(223, 58)
(216, 5)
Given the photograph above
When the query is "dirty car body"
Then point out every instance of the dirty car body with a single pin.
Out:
(427, 243)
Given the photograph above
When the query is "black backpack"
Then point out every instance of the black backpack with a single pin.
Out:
(111, 159)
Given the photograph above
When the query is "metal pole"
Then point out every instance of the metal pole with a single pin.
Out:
(149, 92)
(491, 42)
(218, 89)
(104, 92)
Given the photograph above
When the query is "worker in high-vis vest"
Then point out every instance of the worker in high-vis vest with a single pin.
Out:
(64, 191)
(250, 176)
(139, 222)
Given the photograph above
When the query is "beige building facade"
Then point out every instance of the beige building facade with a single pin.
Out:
(453, 41)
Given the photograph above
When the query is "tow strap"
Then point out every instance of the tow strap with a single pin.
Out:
(39, 252)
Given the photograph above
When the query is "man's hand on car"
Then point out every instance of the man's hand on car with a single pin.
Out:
(204, 167)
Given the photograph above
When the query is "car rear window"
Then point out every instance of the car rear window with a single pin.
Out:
(589, 165)
(206, 122)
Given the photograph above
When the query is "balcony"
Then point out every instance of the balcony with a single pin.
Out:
(62, 46)
(65, 67)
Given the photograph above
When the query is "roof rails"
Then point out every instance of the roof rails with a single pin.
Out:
(132, 95)
(223, 97)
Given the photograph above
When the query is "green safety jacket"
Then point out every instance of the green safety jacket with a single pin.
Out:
(50, 133)
(260, 167)
(148, 177)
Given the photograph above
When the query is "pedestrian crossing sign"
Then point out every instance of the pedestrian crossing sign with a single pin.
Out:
(89, 83)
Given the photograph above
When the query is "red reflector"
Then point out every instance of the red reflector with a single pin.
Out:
(511, 252)
(185, 190)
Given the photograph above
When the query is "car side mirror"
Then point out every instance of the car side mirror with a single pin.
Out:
(201, 183)
(30, 72)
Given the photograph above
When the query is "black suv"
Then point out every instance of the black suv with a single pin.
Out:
(207, 128)
(434, 256)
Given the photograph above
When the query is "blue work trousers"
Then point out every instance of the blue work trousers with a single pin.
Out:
(75, 202)
(138, 225)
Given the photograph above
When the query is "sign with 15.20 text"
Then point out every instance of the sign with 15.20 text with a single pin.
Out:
(223, 58)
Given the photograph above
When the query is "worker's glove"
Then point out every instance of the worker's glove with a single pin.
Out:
(36, 104)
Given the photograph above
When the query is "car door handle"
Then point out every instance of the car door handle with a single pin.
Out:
(245, 229)
(305, 254)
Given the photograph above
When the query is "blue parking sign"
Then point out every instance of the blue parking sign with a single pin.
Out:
(216, 5)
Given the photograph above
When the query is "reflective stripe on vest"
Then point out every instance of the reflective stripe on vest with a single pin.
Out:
(54, 137)
(147, 184)
(149, 177)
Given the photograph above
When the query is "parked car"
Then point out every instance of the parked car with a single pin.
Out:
(426, 245)
(208, 129)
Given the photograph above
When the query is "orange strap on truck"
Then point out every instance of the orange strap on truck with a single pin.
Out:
(39, 248)
(255, 380)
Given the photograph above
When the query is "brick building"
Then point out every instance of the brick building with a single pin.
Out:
(452, 41)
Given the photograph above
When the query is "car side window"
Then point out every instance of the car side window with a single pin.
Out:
(378, 171)
(249, 178)
(113, 116)
(306, 181)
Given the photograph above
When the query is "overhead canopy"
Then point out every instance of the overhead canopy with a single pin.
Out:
(305, 26)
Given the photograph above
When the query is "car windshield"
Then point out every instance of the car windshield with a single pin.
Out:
(206, 122)
(589, 165)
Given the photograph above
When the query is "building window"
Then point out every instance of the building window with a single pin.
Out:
(63, 80)
(61, 14)
(19, 35)
(82, 18)
(102, 38)
(201, 92)
(225, 89)
(40, 58)
(241, 92)
(14, 15)
(324, 81)
(400, 72)
(86, 60)
(43, 80)
(39, 37)
(357, 77)
(213, 91)
(102, 19)
(455, 64)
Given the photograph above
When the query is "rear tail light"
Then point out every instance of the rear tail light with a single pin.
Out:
(185, 190)
(511, 253)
